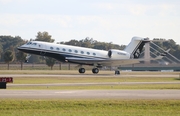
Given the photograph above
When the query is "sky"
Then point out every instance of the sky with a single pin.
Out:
(115, 21)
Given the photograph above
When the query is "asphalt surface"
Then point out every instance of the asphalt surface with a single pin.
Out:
(90, 94)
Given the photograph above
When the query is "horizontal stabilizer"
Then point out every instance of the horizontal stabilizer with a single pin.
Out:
(165, 52)
(161, 55)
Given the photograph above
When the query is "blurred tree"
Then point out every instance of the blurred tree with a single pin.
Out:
(72, 42)
(9, 43)
(21, 57)
(87, 42)
(90, 43)
(100, 45)
(50, 62)
(35, 59)
(8, 57)
(44, 36)
(1, 50)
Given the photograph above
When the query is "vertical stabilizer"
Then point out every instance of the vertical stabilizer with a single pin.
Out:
(135, 46)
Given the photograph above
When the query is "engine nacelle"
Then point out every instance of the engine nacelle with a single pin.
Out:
(118, 54)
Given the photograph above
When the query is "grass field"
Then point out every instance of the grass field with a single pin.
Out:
(89, 107)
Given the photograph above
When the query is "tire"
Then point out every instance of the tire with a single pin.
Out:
(95, 70)
(82, 70)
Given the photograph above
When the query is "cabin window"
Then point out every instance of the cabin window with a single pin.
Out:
(88, 53)
(64, 49)
(57, 49)
(34, 44)
(51, 48)
(75, 51)
(70, 50)
(82, 52)
(94, 54)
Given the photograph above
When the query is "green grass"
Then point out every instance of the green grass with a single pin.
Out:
(89, 107)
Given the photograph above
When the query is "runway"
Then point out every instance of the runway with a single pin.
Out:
(90, 94)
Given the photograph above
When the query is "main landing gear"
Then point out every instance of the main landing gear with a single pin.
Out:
(82, 70)
(94, 70)
(117, 72)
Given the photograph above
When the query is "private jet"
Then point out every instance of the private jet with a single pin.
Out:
(88, 56)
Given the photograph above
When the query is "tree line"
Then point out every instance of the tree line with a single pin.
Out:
(90, 43)
(9, 44)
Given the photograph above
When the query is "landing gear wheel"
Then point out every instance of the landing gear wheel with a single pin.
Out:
(95, 70)
(117, 72)
(82, 70)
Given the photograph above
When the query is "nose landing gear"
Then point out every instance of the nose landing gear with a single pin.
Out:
(27, 58)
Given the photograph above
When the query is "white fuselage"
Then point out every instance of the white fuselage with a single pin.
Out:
(49, 49)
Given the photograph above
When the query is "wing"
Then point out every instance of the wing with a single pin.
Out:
(107, 61)
(84, 60)
(103, 62)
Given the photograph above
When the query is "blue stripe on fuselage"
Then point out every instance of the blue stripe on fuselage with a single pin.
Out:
(56, 53)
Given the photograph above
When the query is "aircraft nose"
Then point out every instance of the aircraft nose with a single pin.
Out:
(19, 48)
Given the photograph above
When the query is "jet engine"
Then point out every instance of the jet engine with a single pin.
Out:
(118, 54)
